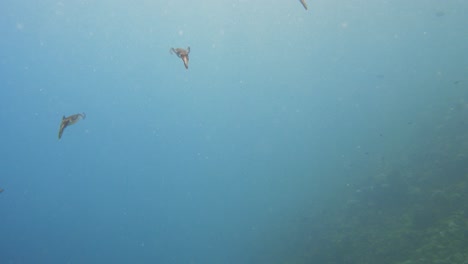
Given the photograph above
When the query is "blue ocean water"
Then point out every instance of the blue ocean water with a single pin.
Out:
(226, 162)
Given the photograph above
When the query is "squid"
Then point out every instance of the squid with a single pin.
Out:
(304, 4)
(70, 120)
(183, 54)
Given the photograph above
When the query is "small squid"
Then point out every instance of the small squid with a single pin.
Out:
(70, 120)
(304, 4)
(183, 54)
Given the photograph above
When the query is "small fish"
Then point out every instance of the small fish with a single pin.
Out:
(70, 120)
(183, 54)
(304, 4)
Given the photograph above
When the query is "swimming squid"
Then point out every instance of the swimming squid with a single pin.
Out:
(183, 54)
(70, 120)
(304, 4)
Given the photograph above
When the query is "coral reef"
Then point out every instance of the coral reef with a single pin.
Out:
(416, 214)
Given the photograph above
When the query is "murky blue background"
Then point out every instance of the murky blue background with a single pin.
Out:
(281, 110)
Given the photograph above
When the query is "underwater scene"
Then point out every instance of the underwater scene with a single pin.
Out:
(282, 132)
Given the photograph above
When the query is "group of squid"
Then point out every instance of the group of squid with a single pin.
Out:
(70, 120)
(183, 54)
